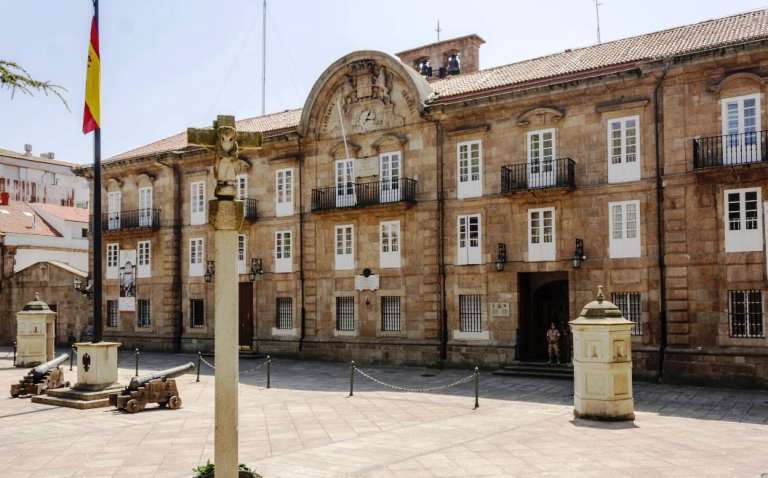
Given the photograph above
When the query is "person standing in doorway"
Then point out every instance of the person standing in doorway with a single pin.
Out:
(553, 343)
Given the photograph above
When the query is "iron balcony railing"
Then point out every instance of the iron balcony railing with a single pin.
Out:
(730, 149)
(558, 173)
(364, 194)
(249, 207)
(135, 219)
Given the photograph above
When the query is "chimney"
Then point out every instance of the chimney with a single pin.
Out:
(455, 56)
(49, 155)
(27, 150)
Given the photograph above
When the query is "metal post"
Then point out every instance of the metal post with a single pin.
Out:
(14, 353)
(351, 378)
(199, 361)
(71, 357)
(269, 371)
(137, 361)
(477, 387)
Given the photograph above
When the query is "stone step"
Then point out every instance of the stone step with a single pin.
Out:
(72, 394)
(536, 369)
(71, 403)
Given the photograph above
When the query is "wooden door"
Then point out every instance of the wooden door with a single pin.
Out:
(245, 308)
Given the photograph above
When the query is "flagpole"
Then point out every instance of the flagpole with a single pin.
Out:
(97, 255)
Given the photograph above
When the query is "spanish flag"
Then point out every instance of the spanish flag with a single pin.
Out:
(91, 115)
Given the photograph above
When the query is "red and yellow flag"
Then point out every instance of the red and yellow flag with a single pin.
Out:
(91, 115)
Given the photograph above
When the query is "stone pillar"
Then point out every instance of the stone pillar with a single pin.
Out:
(226, 217)
(602, 362)
(35, 334)
(96, 366)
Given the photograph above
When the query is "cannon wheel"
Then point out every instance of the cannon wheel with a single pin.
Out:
(174, 402)
(132, 406)
(162, 404)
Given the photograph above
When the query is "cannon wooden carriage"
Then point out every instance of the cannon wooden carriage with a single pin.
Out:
(41, 378)
(159, 387)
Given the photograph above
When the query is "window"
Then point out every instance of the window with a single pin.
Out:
(541, 234)
(284, 313)
(741, 126)
(143, 315)
(629, 304)
(144, 259)
(113, 316)
(241, 254)
(145, 207)
(346, 195)
(469, 249)
(470, 169)
(113, 260)
(390, 168)
(114, 200)
(283, 252)
(390, 314)
(745, 313)
(197, 203)
(470, 313)
(196, 313)
(743, 220)
(344, 247)
(284, 192)
(345, 314)
(541, 158)
(242, 187)
(196, 257)
(389, 244)
(624, 149)
(624, 229)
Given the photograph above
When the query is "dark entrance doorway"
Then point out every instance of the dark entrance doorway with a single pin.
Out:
(543, 300)
(245, 308)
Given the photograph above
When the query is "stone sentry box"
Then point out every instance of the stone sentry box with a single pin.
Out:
(36, 334)
(602, 362)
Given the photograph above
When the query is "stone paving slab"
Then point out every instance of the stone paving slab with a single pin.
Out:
(306, 426)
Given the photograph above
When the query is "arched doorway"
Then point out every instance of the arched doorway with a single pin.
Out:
(544, 300)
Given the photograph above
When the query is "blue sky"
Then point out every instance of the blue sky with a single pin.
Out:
(170, 64)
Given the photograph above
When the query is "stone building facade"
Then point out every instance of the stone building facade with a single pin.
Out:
(405, 217)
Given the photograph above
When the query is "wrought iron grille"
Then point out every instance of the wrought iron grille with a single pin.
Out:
(345, 313)
(745, 313)
(470, 313)
(730, 149)
(134, 219)
(112, 313)
(144, 317)
(557, 173)
(249, 206)
(284, 313)
(390, 314)
(364, 194)
(196, 313)
(629, 304)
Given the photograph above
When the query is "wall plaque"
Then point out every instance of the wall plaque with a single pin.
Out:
(499, 309)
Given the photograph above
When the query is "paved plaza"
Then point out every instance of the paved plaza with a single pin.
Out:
(307, 426)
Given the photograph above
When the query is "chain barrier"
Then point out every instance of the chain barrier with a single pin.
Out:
(213, 367)
(266, 363)
(401, 388)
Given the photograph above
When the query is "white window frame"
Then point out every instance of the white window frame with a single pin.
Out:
(283, 251)
(345, 260)
(623, 234)
(145, 206)
(196, 257)
(542, 171)
(466, 253)
(743, 239)
(390, 173)
(284, 192)
(114, 209)
(469, 188)
(113, 260)
(241, 180)
(624, 170)
(738, 153)
(543, 250)
(144, 259)
(346, 186)
(390, 244)
(242, 254)
(197, 206)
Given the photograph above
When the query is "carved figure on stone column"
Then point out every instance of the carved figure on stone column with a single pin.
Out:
(553, 343)
(380, 87)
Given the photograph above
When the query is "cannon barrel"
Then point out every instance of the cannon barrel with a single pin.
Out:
(40, 371)
(137, 382)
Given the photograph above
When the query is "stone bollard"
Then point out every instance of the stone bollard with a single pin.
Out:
(602, 362)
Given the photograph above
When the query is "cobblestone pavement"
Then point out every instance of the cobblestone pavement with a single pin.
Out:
(306, 426)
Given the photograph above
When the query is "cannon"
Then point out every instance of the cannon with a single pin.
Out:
(159, 387)
(41, 378)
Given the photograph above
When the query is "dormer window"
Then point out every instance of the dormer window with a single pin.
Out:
(454, 64)
(423, 67)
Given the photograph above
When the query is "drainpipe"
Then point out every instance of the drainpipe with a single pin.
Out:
(303, 332)
(178, 325)
(658, 124)
(441, 243)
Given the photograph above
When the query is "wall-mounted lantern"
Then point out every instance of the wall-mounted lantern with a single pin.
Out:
(257, 269)
(578, 254)
(210, 271)
(84, 287)
(501, 257)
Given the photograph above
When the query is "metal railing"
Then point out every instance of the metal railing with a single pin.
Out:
(134, 219)
(249, 206)
(364, 194)
(730, 149)
(558, 173)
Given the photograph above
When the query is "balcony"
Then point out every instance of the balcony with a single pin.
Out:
(730, 150)
(249, 209)
(364, 194)
(559, 173)
(127, 220)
